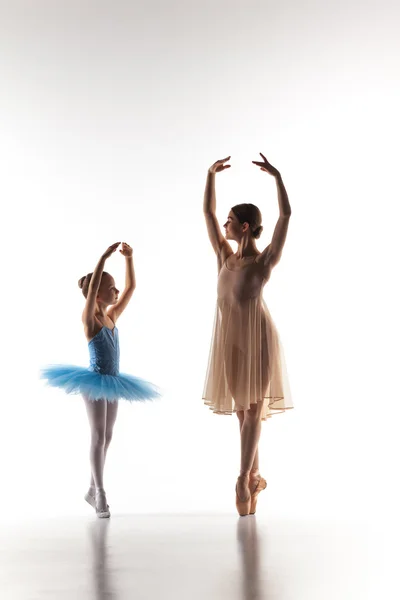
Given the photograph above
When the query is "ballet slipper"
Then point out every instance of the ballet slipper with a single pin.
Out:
(243, 506)
(101, 512)
(261, 485)
(90, 500)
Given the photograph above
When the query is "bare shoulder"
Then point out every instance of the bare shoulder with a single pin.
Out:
(265, 261)
(264, 255)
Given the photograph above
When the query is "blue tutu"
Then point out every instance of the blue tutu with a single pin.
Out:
(102, 380)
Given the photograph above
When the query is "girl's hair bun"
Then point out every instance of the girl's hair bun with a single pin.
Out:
(81, 282)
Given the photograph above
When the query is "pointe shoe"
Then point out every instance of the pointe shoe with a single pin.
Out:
(102, 508)
(243, 506)
(261, 485)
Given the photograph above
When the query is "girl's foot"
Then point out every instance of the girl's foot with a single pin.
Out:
(102, 508)
(90, 497)
(243, 495)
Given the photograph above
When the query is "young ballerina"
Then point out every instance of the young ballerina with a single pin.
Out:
(102, 385)
(246, 372)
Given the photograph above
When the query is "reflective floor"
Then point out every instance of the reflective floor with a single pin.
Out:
(191, 557)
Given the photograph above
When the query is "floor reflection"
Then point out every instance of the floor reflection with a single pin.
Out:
(101, 572)
(250, 556)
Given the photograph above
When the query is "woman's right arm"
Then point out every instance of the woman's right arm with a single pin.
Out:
(90, 306)
(221, 247)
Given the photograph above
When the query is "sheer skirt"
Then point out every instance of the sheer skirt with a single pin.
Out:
(246, 362)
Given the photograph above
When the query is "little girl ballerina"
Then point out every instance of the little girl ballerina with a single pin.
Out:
(102, 385)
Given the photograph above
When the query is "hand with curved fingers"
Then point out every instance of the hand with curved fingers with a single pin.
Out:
(219, 166)
(266, 166)
(110, 250)
(126, 250)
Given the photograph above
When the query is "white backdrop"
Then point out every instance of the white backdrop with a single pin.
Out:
(111, 113)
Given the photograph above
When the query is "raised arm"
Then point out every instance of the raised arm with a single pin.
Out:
(130, 284)
(90, 306)
(273, 252)
(221, 247)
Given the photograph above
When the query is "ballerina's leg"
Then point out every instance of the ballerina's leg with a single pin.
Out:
(97, 415)
(250, 436)
(110, 418)
(255, 472)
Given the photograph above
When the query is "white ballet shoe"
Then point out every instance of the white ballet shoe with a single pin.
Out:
(101, 506)
(90, 499)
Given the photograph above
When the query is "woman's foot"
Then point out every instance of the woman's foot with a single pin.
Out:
(257, 484)
(243, 495)
(102, 508)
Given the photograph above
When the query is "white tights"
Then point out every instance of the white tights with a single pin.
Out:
(102, 416)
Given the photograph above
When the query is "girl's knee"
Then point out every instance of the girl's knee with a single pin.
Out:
(99, 437)
(108, 437)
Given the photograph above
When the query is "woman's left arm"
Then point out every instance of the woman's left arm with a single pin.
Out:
(273, 252)
(130, 284)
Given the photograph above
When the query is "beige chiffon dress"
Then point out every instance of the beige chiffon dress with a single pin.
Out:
(246, 362)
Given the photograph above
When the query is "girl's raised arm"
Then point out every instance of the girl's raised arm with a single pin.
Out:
(130, 284)
(89, 310)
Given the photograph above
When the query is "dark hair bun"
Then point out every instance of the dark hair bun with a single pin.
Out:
(84, 283)
(249, 213)
(257, 232)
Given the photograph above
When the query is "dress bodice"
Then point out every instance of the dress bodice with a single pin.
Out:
(239, 285)
(104, 352)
